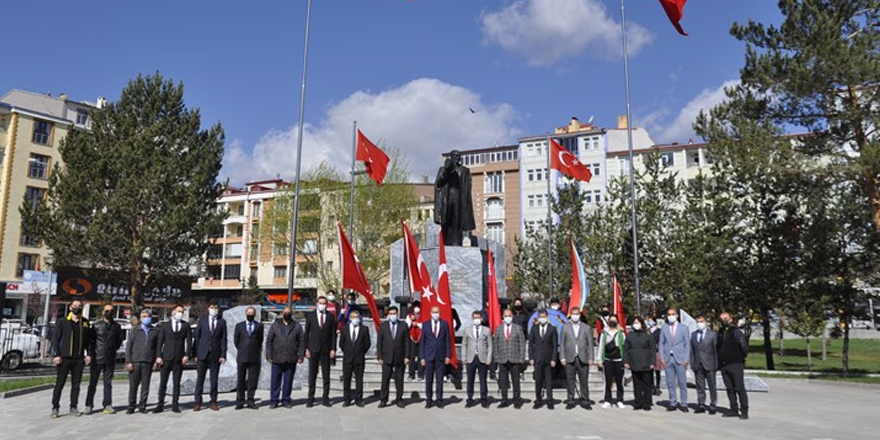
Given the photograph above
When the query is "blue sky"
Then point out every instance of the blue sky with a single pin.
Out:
(406, 70)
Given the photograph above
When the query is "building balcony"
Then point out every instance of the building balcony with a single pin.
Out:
(235, 219)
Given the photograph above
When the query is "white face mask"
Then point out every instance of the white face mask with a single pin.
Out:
(478, 322)
(435, 316)
(417, 310)
(355, 321)
(542, 320)
(508, 320)
(575, 318)
(178, 316)
(392, 318)
(555, 307)
(637, 326)
(672, 319)
(331, 298)
(213, 312)
(322, 307)
(701, 325)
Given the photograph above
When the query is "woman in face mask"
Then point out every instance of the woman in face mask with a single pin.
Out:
(640, 352)
(610, 359)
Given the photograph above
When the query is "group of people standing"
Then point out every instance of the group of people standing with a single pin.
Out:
(425, 346)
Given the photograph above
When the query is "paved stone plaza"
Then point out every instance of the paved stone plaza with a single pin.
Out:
(794, 409)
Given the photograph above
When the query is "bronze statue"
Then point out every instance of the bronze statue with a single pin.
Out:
(453, 208)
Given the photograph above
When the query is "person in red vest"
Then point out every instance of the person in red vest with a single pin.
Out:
(332, 305)
(414, 322)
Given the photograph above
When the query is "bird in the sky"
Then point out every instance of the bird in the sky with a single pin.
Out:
(472, 110)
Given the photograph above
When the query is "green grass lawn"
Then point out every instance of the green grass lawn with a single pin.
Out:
(864, 355)
(18, 384)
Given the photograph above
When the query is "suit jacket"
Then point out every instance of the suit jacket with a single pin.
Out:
(210, 346)
(141, 347)
(355, 351)
(285, 343)
(679, 346)
(172, 347)
(479, 349)
(250, 348)
(392, 349)
(435, 348)
(543, 350)
(320, 341)
(705, 353)
(583, 341)
(511, 350)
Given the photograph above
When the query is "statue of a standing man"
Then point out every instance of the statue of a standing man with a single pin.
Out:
(453, 208)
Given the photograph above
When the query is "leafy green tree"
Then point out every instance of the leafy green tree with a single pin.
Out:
(251, 294)
(137, 193)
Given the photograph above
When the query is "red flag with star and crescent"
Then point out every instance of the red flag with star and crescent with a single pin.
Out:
(353, 276)
(675, 11)
(374, 159)
(617, 309)
(494, 307)
(567, 163)
(420, 282)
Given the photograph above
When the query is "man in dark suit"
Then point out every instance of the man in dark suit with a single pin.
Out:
(248, 340)
(435, 352)
(391, 349)
(576, 354)
(320, 348)
(509, 352)
(704, 361)
(476, 347)
(543, 349)
(210, 345)
(733, 347)
(140, 357)
(175, 347)
(354, 340)
(285, 348)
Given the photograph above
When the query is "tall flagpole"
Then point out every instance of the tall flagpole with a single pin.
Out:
(353, 173)
(549, 222)
(299, 145)
(632, 178)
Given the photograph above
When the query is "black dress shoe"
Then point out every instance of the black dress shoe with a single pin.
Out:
(712, 411)
(143, 410)
(683, 409)
(439, 404)
(670, 408)
(518, 405)
(637, 407)
(346, 404)
(289, 405)
(310, 403)
(400, 404)
(731, 414)
(504, 404)
(252, 405)
(570, 405)
(485, 404)
(238, 407)
(470, 404)
(326, 402)
(429, 404)
(360, 403)
(550, 406)
(158, 410)
(537, 404)
(587, 406)
(383, 403)
(647, 408)
(175, 409)
(744, 415)
(700, 410)
(274, 405)
(129, 411)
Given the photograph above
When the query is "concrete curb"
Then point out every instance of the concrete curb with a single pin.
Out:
(25, 391)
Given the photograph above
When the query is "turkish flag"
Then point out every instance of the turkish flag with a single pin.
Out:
(373, 158)
(675, 11)
(353, 276)
(567, 163)
(443, 300)
(494, 308)
(618, 305)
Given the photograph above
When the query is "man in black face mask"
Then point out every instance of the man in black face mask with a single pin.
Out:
(285, 348)
(106, 340)
(248, 339)
(520, 316)
(70, 355)
(733, 347)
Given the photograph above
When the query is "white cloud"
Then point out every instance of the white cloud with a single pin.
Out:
(422, 118)
(546, 31)
(680, 129)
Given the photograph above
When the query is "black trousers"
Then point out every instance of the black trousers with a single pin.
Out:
(175, 370)
(577, 374)
(415, 364)
(390, 371)
(613, 373)
(323, 361)
(434, 371)
(508, 372)
(248, 376)
(702, 377)
(95, 371)
(201, 370)
(734, 382)
(139, 377)
(355, 370)
(472, 369)
(544, 380)
(643, 388)
(73, 367)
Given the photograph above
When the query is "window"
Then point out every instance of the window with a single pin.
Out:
(279, 249)
(42, 132)
(256, 209)
(38, 166)
(623, 164)
(26, 262)
(308, 270)
(254, 252)
(546, 174)
(233, 250)
(280, 272)
(693, 159)
(531, 201)
(237, 231)
(34, 196)
(215, 252)
(531, 174)
(494, 208)
(667, 160)
(82, 117)
(241, 209)
(213, 272)
(597, 169)
(254, 272)
(232, 272)
(539, 200)
(28, 240)
(494, 183)
(310, 247)
(495, 232)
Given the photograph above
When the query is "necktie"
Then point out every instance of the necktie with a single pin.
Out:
(353, 333)
(176, 327)
(508, 331)
(476, 333)
(700, 336)
(213, 324)
(435, 329)
(250, 329)
(393, 330)
(321, 320)
(543, 330)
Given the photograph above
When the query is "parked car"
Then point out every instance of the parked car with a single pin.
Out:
(17, 343)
